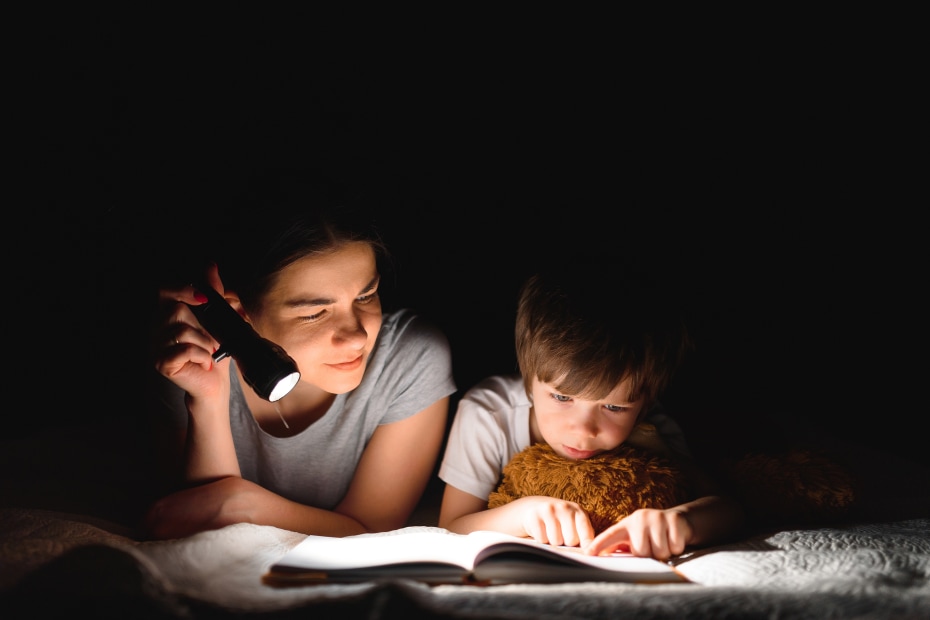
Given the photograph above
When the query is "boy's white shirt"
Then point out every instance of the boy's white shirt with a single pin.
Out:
(492, 424)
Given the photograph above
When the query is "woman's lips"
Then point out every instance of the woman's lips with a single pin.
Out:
(348, 365)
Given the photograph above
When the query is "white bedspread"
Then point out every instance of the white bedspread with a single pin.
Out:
(56, 565)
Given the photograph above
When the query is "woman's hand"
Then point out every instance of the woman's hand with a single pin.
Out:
(207, 506)
(182, 349)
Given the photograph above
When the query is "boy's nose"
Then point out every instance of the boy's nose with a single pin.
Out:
(586, 422)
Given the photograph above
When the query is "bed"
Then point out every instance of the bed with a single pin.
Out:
(56, 564)
(56, 561)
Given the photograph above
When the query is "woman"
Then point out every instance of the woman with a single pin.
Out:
(351, 448)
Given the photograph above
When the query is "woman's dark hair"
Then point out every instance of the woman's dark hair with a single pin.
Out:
(286, 216)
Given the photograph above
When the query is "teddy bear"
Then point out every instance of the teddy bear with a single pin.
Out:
(608, 486)
(797, 486)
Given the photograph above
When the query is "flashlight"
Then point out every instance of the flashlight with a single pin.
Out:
(266, 367)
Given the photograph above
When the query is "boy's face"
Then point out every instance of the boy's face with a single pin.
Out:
(579, 429)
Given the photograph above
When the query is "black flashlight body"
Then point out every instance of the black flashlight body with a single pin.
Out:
(265, 366)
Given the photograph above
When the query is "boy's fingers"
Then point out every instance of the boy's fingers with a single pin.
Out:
(609, 540)
(584, 528)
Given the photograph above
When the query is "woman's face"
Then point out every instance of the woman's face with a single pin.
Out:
(325, 311)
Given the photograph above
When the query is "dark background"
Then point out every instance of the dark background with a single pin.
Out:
(772, 187)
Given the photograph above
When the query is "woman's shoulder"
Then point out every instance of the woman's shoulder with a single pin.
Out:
(410, 339)
(406, 325)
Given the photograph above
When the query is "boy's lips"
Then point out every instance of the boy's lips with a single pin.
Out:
(574, 453)
(350, 365)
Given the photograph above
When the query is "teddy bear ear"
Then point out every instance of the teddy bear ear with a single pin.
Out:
(799, 487)
(646, 437)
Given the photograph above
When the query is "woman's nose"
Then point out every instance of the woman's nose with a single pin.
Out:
(350, 331)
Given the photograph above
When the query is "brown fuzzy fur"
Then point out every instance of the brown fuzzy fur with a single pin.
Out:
(798, 486)
(608, 486)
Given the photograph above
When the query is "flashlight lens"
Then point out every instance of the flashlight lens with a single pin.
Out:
(284, 386)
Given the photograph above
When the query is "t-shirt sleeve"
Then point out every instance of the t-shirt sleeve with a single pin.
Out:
(476, 447)
(420, 367)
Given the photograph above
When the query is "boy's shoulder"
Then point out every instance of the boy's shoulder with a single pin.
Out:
(498, 391)
(495, 406)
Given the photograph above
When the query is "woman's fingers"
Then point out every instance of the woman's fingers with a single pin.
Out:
(179, 336)
(213, 278)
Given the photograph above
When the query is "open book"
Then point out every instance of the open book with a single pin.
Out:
(437, 556)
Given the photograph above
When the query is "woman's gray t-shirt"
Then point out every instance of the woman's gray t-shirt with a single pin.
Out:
(409, 369)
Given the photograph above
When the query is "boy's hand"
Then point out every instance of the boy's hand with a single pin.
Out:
(647, 532)
(554, 521)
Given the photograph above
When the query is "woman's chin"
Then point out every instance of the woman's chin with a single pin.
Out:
(342, 384)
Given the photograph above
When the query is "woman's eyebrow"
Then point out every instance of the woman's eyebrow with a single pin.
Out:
(308, 301)
(299, 302)
(371, 284)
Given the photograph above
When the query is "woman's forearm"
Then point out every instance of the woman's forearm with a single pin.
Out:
(210, 451)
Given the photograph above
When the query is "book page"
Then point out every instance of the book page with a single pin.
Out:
(465, 551)
(618, 562)
(326, 553)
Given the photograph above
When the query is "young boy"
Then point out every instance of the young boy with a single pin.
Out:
(595, 349)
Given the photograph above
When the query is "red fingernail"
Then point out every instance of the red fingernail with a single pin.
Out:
(200, 297)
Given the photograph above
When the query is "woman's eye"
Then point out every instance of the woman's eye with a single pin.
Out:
(561, 397)
(616, 408)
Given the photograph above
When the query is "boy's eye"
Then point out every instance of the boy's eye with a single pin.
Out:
(364, 299)
(616, 408)
(561, 397)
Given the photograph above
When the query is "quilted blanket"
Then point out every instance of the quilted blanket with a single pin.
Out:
(59, 565)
